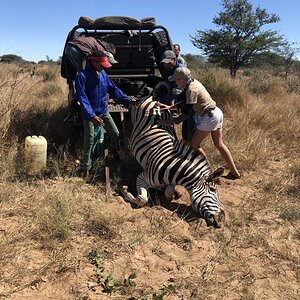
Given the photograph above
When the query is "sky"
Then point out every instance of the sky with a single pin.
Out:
(34, 29)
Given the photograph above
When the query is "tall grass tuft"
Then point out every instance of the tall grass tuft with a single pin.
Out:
(222, 88)
(48, 73)
(55, 216)
(50, 89)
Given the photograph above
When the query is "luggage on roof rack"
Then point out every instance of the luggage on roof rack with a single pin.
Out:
(117, 22)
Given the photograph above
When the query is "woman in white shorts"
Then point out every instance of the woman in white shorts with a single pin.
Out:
(209, 123)
(207, 116)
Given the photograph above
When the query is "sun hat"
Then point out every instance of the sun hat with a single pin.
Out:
(181, 73)
(111, 58)
(100, 57)
(168, 56)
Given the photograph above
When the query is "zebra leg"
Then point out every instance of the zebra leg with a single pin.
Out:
(142, 187)
(171, 193)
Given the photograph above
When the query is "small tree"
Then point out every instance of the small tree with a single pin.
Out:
(240, 38)
(194, 61)
(288, 52)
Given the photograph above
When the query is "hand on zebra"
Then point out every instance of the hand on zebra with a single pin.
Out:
(165, 106)
(132, 98)
(133, 102)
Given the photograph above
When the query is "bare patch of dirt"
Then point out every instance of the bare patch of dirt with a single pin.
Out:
(173, 254)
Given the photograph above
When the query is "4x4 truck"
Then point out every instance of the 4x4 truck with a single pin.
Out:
(139, 48)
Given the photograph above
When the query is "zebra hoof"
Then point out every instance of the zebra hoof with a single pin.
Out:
(216, 220)
(139, 201)
(172, 193)
(177, 195)
(124, 189)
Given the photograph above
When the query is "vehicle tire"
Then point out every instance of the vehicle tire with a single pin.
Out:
(161, 43)
(161, 38)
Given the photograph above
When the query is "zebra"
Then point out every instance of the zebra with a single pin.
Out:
(167, 162)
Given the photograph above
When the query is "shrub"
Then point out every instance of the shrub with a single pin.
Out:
(56, 215)
(291, 214)
(222, 88)
(50, 89)
(48, 73)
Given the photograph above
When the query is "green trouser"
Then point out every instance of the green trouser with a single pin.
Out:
(89, 132)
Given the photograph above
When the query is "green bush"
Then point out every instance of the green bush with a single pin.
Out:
(291, 214)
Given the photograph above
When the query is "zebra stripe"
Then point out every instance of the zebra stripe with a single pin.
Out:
(166, 162)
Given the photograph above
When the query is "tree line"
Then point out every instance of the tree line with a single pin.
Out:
(239, 41)
(13, 58)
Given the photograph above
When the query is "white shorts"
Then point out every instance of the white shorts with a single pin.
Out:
(207, 123)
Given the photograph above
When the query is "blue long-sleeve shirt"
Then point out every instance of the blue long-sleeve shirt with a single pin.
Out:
(92, 92)
(174, 89)
(173, 85)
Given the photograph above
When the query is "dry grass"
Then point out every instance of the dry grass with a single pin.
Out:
(51, 222)
(257, 128)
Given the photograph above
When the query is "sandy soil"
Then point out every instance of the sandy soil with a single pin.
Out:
(173, 253)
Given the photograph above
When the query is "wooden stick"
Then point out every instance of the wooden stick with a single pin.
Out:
(124, 136)
(107, 181)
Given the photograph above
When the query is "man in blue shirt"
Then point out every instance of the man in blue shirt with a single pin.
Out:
(93, 89)
(170, 63)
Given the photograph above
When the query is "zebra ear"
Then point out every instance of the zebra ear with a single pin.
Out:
(215, 174)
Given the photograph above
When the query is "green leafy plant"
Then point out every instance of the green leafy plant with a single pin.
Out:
(109, 283)
(291, 214)
(163, 292)
(129, 281)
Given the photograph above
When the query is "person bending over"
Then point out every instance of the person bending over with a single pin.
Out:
(208, 118)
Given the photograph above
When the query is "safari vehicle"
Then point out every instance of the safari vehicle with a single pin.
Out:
(139, 48)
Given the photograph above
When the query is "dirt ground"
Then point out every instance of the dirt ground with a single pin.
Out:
(173, 254)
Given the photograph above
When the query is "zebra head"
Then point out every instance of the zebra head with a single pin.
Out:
(144, 108)
(205, 199)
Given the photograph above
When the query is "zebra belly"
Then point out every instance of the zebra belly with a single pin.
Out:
(150, 150)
